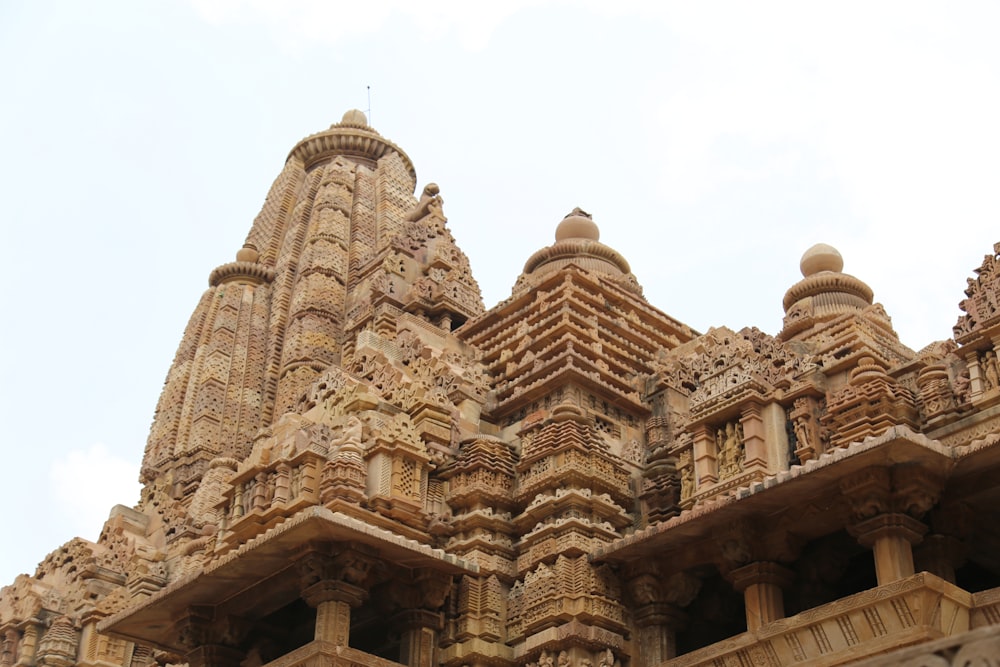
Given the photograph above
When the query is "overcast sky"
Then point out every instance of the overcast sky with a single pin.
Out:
(713, 142)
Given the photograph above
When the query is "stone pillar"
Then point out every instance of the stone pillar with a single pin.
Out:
(419, 636)
(9, 639)
(706, 471)
(89, 638)
(419, 596)
(891, 537)
(657, 624)
(333, 601)
(976, 386)
(754, 442)
(332, 583)
(658, 601)
(282, 478)
(762, 585)
(886, 504)
(208, 642)
(30, 631)
(775, 421)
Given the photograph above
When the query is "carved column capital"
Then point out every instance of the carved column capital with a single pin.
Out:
(414, 619)
(645, 588)
(657, 613)
(211, 642)
(328, 590)
(891, 524)
(762, 584)
(660, 614)
(915, 490)
(352, 565)
(909, 490)
(423, 589)
(193, 629)
(761, 572)
(867, 492)
(737, 544)
(891, 537)
(648, 584)
(433, 586)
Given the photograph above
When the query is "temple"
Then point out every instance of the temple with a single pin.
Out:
(353, 462)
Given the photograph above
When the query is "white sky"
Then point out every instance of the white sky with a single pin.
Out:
(713, 142)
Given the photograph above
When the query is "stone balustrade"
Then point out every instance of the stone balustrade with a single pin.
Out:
(916, 609)
(979, 647)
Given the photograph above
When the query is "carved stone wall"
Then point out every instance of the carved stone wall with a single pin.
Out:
(352, 461)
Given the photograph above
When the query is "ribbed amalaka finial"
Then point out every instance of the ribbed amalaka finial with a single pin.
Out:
(352, 138)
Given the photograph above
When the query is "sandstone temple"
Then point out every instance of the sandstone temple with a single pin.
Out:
(354, 463)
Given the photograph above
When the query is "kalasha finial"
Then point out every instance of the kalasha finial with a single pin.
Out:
(247, 253)
(577, 224)
(354, 118)
(821, 257)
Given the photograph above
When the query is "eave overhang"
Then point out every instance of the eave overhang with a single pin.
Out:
(261, 576)
(783, 497)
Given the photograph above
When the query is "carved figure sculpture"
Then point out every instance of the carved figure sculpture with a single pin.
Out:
(687, 482)
(350, 437)
(991, 372)
(729, 440)
(430, 200)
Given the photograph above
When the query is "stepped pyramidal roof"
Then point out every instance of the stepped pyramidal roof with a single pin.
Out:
(353, 462)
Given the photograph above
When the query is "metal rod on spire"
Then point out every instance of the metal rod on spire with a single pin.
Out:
(369, 105)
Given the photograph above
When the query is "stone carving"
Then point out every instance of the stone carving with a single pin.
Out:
(729, 443)
(57, 648)
(351, 436)
(980, 304)
(8, 646)
(991, 374)
(345, 430)
(687, 475)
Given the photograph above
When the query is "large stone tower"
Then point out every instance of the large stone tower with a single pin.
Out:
(353, 463)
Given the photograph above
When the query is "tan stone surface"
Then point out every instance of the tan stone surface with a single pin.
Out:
(353, 462)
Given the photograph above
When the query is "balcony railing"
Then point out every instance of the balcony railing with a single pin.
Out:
(909, 611)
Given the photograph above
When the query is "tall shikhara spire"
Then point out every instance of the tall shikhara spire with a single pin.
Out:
(339, 235)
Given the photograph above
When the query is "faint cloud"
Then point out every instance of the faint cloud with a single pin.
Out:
(86, 484)
(295, 22)
(897, 105)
